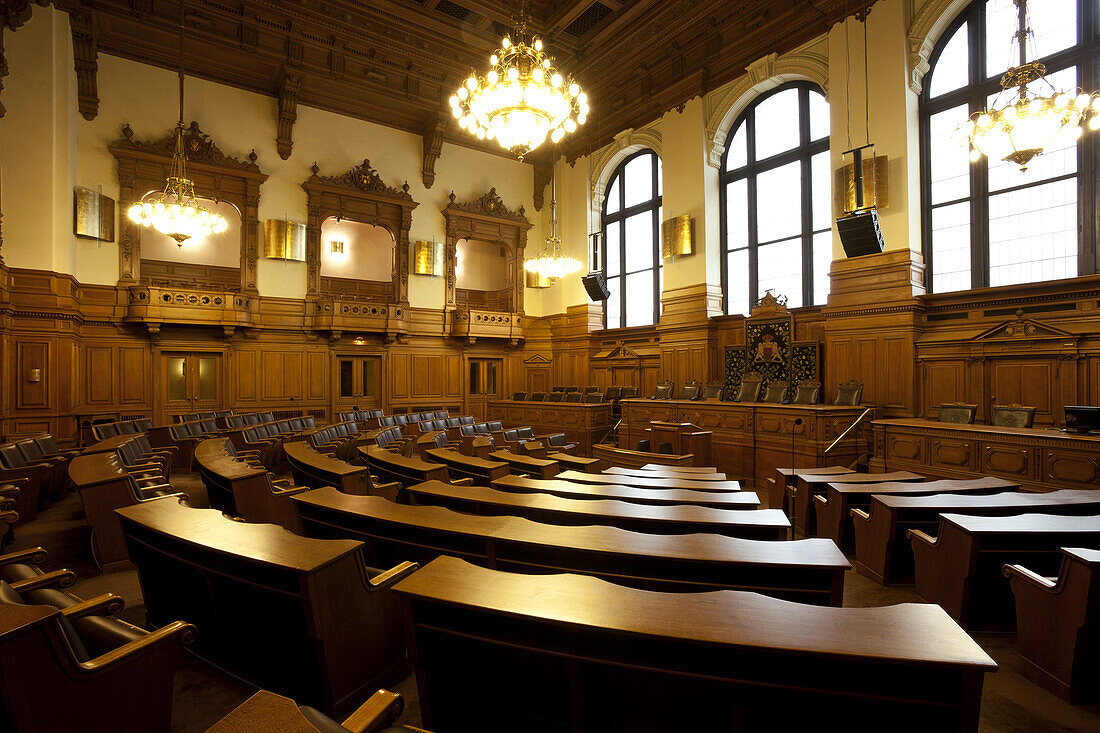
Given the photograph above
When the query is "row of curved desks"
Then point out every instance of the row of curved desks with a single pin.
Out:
(571, 653)
(633, 494)
(404, 470)
(810, 570)
(646, 482)
(764, 524)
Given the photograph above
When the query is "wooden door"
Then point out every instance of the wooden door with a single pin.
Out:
(190, 382)
(1029, 382)
(358, 382)
(483, 385)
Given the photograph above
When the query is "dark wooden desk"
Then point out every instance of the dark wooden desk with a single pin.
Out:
(406, 471)
(809, 485)
(665, 472)
(785, 479)
(833, 508)
(1057, 620)
(244, 490)
(752, 439)
(806, 570)
(960, 569)
(1037, 458)
(884, 554)
(617, 456)
(764, 524)
(599, 657)
(315, 469)
(298, 616)
(480, 470)
(537, 467)
(583, 424)
(656, 482)
(633, 494)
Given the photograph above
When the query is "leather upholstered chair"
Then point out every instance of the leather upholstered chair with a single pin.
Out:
(749, 391)
(848, 393)
(691, 391)
(713, 391)
(807, 393)
(958, 413)
(1012, 416)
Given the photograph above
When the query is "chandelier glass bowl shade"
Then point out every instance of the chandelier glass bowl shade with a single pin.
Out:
(1029, 113)
(522, 100)
(175, 211)
(552, 262)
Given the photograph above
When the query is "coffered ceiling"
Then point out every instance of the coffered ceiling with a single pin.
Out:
(396, 62)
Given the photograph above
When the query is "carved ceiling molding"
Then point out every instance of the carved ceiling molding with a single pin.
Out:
(607, 159)
(723, 106)
(928, 24)
(288, 111)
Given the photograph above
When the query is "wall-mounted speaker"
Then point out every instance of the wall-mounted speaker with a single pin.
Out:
(596, 285)
(860, 234)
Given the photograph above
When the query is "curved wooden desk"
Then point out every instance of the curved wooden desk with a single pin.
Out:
(633, 494)
(655, 482)
(244, 490)
(480, 470)
(665, 472)
(808, 485)
(394, 467)
(599, 657)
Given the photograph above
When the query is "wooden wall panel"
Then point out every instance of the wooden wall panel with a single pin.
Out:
(944, 381)
(133, 375)
(455, 373)
(399, 376)
(31, 355)
(99, 375)
(1032, 382)
(246, 375)
(317, 367)
(271, 377)
(292, 375)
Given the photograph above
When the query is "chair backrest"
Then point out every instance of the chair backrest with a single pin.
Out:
(713, 391)
(451, 422)
(557, 389)
(569, 390)
(628, 392)
(309, 421)
(401, 419)
(959, 413)
(663, 391)
(591, 389)
(593, 398)
(481, 428)
(807, 393)
(750, 388)
(127, 427)
(252, 419)
(442, 414)
(144, 424)
(467, 430)
(107, 430)
(1012, 416)
(573, 396)
(519, 396)
(466, 420)
(495, 426)
(848, 393)
(613, 393)
(47, 445)
(372, 414)
(775, 393)
(556, 397)
(525, 433)
(31, 450)
(11, 457)
(691, 390)
(537, 397)
(511, 435)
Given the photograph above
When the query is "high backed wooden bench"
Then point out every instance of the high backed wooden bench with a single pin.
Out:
(786, 478)
(649, 483)
(478, 470)
(765, 524)
(806, 570)
(599, 657)
(807, 486)
(1058, 620)
(314, 469)
(960, 568)
(832, 509)
(242, 488)
(302, 617)
(632, 494)
(394, 467)
(883, 552)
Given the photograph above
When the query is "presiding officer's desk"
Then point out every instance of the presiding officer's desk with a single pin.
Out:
(1038, 458)
(752, 439)
(583, 424)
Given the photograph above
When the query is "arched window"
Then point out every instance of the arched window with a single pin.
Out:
(986, 223)
(632, 243)
(776, 210)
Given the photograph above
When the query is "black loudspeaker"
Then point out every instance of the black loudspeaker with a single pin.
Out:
(596, 285)
(860, 234)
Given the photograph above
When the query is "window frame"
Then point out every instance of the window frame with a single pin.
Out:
(975, 93)
(802, 154)
(655, 205)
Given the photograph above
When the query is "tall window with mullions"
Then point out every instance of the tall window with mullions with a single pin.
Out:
(775, 198)
(986, 223)
(631, 242)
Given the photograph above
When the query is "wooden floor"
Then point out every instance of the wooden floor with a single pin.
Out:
(1010, 703)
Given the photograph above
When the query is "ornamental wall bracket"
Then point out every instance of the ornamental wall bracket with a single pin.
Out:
(544, 171)
(85, 61)
(434, 130)
(289, 85)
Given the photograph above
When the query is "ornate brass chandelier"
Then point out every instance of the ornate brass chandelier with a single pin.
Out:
(522, 99)
(175, 211)
(552, 261)
(1029, 113)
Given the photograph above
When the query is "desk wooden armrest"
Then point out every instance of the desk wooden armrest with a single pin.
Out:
(281, 482)
(464, 481)
(30, 556)
(920, 536)
(166, 450)
(387, 487)
(107, 604)
(859, 514)
(55, 579)
(392, 576)
(6, 503)
(379, 711)
(184, 632)
(10, 491)
(288, 490)
(1030, 577)
(9, 516)
(820, 499)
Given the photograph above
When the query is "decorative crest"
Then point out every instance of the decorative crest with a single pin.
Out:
(364, 178)
(490, 204)
(197, 146)
(770, 305)
(1023, 328)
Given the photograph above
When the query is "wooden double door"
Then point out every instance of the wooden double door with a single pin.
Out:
(358, 383)
(191, 381)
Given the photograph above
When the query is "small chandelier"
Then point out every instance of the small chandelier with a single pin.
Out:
(522, 98)
(175, 211)
(1020, 124)
(552, 262)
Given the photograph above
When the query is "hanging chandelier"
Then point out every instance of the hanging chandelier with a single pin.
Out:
(175, 211)
(552, 262)
(522, 99)
(1029, 113)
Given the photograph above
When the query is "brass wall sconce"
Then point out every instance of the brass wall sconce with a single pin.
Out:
(428, 258)
(337, 248)
(284, 240)
(678, 236)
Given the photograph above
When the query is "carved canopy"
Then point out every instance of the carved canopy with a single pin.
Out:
(359, 195)
(143, 167)
(486, 219)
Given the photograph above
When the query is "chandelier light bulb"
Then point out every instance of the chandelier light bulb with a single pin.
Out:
(471, 83)
(555, 81)
(574, 90)
(494, 59)
(1094, 123)
(493, 76)
(538, 44)
(506, 43)
(513, 73)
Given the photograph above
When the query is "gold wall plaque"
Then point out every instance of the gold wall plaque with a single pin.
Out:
(284, 240)
(428, 258)
(537, 280)
(93, 215)
(678, 236)
(876, 189)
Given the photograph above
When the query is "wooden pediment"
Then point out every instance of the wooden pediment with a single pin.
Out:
(618, 352)
(362, 178)
(1022, 329)
(490, 204)
(197, 146)
(538, 360)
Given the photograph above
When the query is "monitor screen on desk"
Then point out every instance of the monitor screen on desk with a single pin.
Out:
(1082, 418)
